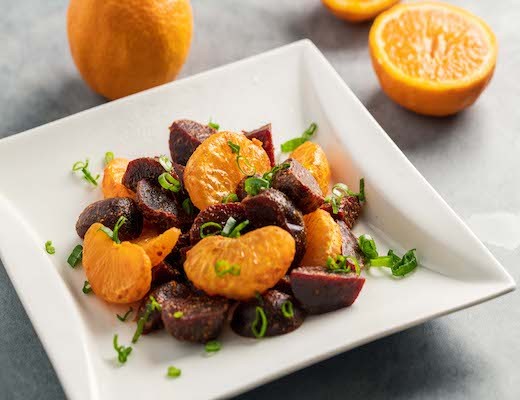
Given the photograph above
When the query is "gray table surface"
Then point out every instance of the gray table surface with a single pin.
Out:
(472, 160)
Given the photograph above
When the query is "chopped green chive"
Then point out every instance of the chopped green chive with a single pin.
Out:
(268, 176)
(230, 198)
(151, 306)
(125, 316)
(122, 351)
(238, 229)
(287, 309)
(109, 156)
(212, 346)
(255, 185)
(259, 325)
(178, 314)
(292, 144)
(368, 246)
(168, 182)
(188, 206)
(114, 234)
(166, 163)
(49, 248)
(86, 287)
(235, 149)
(213, 125)
(230, 224)
(340, 190)
(204, 229)
(173, 372)
(222, 267)
(344, 264)
(87, 175)
(76, 256)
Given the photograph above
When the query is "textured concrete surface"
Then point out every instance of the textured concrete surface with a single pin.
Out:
(471, 159)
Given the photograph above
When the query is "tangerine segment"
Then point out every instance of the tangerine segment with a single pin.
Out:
(323, 238)
(158, 246)
(112, 179)
(313, 158)
(213, 171)
(260, 259)
(358, 10)
(118, 273)
(432, 58)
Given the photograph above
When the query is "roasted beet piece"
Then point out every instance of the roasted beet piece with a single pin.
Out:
(202, 317)
(174, 258)
(159, 206)
(349, 210)
(142, 168)
(265, 136)
(218, 213)
(349, 244)
(272, 303)
(272, 207)
(320, 291)
(241, 187)
(107, 212)
(185, 137)
(166, 272)
(299, 185)
(284, 285)
(162, 295)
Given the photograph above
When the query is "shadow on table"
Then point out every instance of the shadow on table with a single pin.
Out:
(423, 360)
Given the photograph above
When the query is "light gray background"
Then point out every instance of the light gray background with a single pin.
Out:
(471, 159)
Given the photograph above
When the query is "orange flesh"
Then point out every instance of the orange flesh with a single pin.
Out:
(158, 246)
(112, 179)
(323, 238)
(313, 158)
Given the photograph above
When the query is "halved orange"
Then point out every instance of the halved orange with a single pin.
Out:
(358, 10)
(118, 273)
(323, 238)
(158, 246)
(432, 58)
(313, 158)
(112, 179)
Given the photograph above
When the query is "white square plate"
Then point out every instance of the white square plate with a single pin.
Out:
(40, 200)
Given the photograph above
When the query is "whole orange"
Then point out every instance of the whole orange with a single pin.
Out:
(124, 46)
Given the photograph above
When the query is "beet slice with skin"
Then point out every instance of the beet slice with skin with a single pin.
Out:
(185, 137)
(160, 207)
(264, 134)
(299, 185)
(277, 323)
(107, 212)
(272, 207)
(142, 168)
(166, 272)
(350, 245)
(284, 285)
(218, 213)
(349, 210)
(320, 291)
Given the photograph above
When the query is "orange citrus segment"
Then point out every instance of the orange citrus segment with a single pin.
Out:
(112, 179)
(323, 238)
(358, 10)
(432, 58)
(212, 172)
(313, 158)
(118, 273)
(263, 256)
(158, 246)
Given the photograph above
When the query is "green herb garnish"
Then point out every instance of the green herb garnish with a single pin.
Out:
(213, 125)
(287, 309)
(122, 351)
(228, 227)
(237, 229)
(109, 156)
(292, 144)
(125, 316)
(254, 185)
(230, 198)
(340, 190)
(166, 163)
(87, 175)
(343, 264)
(178, 314)
(76, 256)
(49, 248)
(235, 149)
(204, 231)
(86, 287)
(188, 206)
(168, 182)
(151, 306)
(368, 246)
(114, 234)
(259, 325)
(212, 346)
(222, 268)
(173, 372)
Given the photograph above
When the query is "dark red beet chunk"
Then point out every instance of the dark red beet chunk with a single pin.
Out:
(166, 272)
(185, 137)
(218, 213)
(284, 285)
(349, 210)
(107, 212)
(320, 291)
(272, 207)
(174, 258)
(350, 245)
(159, 206)
(299, 185)
(265, 136)
(142, 168)
(277, 324)
(202, 317)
